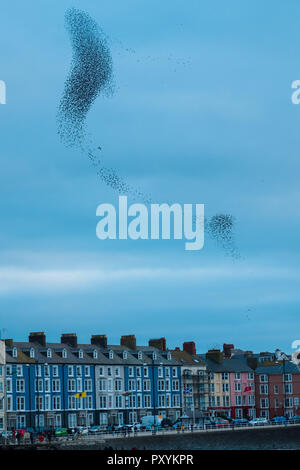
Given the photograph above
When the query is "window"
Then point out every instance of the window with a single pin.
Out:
(250, 375)
(131, 384)
(175, 385)
(263, 389)
(117, 371)
(140, 355)
(46, 370)
(118, 385)
(79, 385)
(147, 401)
(154, 356)
(251, 400)
(125, 355)
(19, 370)
(55, 371)
(20, 403)
(238, 400)
(95, 354)
(15, 352)
(39, 405)
(176, 400)
(161, 385)
(38, 371)
(174, 371)
(78, 371)
(145, 371)
(80, 354)
(288, 388)
(237, 387)
(237, 376)
(264, 403)
(147, 385)
(167, 371)
(31, 353)
(109, 371)
(88, 385)
(263, 378)
(130, 371)
(72, 402)
(56, 402)
(111, 354)
(161, 401)
(71, 385)
(138, 372)
(47, 385)
(102, 401)
(287, 377)
(55, 385)
(87, 370)
(169, 356)
(276, 388)
(225, 387)
(160, 372)
(20, 386)
(70, 371)
(101, 370)
(49, 353)
(102, 385)
(225, 376)
(47, 402)
(64, 353)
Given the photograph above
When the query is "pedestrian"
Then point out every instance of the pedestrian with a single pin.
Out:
(18, 437)
(182, 427)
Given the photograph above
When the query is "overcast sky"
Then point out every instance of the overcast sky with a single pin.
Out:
(201, 113)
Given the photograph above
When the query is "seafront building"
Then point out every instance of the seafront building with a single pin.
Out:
(69, 384)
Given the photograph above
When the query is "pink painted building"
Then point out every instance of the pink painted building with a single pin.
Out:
(242, 391)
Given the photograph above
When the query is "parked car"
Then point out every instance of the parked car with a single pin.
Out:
(61, 432)
(95, 429)
(258, 421)
(166, 423)
(221, 423)
(83, 430)
(279, 419)
(295, 418)
(6, 434)
(240, 421)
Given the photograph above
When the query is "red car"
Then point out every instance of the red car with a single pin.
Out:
(221, 423)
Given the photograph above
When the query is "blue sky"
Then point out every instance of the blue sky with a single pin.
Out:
(201, 113)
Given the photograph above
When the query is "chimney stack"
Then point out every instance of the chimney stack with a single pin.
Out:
(215, 355)
(159, 343)
(70, 339)
(129, 341)
(99, 340)
(227, 348)
(37, 337)
(189, 347)
(9, 342)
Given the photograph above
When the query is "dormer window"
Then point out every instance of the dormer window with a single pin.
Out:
(49, 352)
(154, 356)
(31, 352)
(95, 354)
(14, 352)
(140, 355)
(111, 354)
(169, 356)
(125, 355)
(80, 354)
(64, 353)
